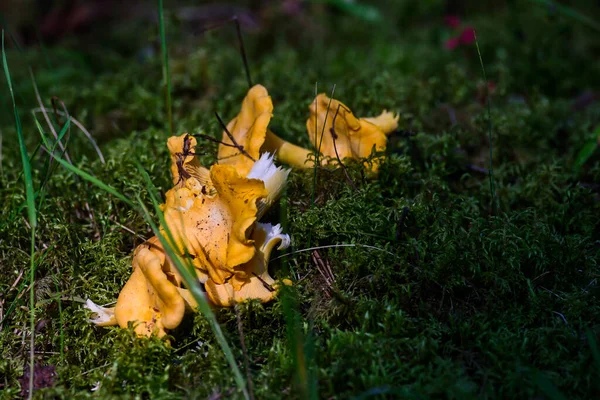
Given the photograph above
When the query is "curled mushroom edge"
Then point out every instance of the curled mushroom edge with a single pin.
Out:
(218, 229)
(334, 131)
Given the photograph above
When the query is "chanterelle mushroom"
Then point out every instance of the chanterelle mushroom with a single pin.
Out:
(332, 128)
(250, 131)
(336, 132)
(214, 223)
(152, 299)
(220, 231)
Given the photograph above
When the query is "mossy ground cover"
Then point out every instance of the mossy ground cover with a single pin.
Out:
(439, 287)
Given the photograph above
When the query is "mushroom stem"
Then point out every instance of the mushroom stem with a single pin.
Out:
(287, 152)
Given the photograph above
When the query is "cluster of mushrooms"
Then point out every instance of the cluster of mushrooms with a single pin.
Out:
(213, 214)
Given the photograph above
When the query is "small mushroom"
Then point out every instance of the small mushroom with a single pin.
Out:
(336, 132)
(250, 132)
(248, 129)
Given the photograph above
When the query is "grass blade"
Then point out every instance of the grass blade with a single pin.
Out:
(62, 133)
(95, 181)
(6, 27)
(547, 387)
(593, 347)
(79, 125)
(489, 115)
(588, 149)
(187, 274)
(569, 12)
(318, 150)
(46, 117)
(586, 152)
(31, 211)
(302, 348)
(23, 149)
(166, 74)
(191, 282)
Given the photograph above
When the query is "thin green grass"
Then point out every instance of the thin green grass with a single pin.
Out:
(303, 360)
(31, 211)
(191, 280)
(6, 28)
(46, 117)
(588, 149)
(298, 344)
(489, 122)
(166, 73)
(547, 387)
(318, 149)
(334, 246)
(50, 166)
(569, 12)
(187, 273)
(593, 348)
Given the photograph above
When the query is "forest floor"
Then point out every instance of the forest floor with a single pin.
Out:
(449, 275)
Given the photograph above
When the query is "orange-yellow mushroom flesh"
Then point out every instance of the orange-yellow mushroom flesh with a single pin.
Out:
(217, 229)
(337, 133)
(287, 152)
(248, 129)
(255, 282)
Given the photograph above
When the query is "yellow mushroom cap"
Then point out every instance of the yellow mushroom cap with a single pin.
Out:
(215, 229)
(249, 129)
(182, 153)
(335, 131)
(221, 233)
(150, 299)
(252, 279)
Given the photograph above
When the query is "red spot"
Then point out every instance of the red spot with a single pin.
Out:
(452, 43)
(467, 36)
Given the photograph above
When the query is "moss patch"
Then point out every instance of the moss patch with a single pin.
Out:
(433, 293)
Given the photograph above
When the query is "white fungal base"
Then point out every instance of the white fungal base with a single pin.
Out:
(274, 232)
(103, 316)
(273, 176)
